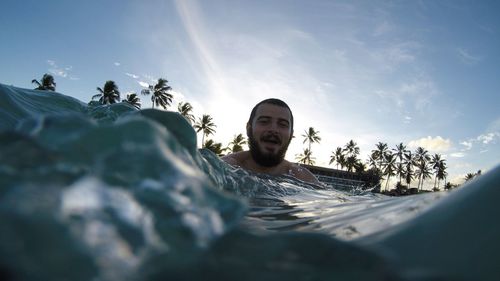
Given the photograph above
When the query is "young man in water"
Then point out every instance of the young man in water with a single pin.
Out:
(269, 131)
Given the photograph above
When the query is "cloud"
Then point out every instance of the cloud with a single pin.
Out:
(487, 138)
(178, 96)
(457, 155)
(60, 71)
(420, 92)
(396, 54)
(192, 20)
(403, 52)
(144, 76)
(416, 94)
(143, 84)
(132, 75)
(437, 144)
(117, 63)
(467, 144)
(150, 78)
(468, 58)
(484, 139)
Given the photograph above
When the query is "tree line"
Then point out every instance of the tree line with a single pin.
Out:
(406, 165)
(160, 97)
(399, 161)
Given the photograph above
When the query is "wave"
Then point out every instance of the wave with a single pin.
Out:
(108, 192)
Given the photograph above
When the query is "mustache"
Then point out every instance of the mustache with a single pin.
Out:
(271, 138)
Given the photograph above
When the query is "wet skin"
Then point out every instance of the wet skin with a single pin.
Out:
(272, 132)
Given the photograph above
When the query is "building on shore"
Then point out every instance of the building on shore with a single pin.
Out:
(345, 180)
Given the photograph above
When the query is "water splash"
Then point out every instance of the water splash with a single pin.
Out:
(112, 193)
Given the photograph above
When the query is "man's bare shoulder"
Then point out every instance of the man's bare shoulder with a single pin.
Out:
(237, 158)
(302, 173)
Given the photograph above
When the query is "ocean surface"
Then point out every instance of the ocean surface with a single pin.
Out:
(92, 192)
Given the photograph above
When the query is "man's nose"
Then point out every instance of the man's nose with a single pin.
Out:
(273, 127)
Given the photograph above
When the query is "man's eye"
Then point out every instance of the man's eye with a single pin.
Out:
(283, 125)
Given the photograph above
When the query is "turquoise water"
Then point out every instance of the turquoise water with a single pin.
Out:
(112, 193)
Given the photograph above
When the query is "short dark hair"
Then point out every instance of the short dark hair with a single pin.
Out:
(273, 101)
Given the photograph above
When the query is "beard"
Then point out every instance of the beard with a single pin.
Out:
(266, 159)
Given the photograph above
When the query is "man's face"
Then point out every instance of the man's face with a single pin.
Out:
(269, 134)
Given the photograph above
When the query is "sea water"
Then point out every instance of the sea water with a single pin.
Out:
(107, 192)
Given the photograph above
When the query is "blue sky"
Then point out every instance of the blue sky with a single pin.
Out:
(424, 73)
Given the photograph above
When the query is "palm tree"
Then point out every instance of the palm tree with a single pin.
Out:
(409, 176)
(441, 172)
(436, 163)
(389, 168)
(48, 83)
(449, 186)
(311, 136)
(109, 95)
(351, 162)
(351, 150)
(305, 157)
(185, 109)
(400, 171)
(409, 163)
(422, 159)
(160, 93)
(342, 162)
(206, 125)
(423, 172)
(469, 176)
(373, 161)
(237, 143)
(338, 157)
(399, 152)
(215, 147)
(360, 167)
(378, 155)
(133, 100)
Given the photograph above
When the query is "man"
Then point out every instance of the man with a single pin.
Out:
(269, 131)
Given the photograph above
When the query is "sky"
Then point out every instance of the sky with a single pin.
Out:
(424, 73)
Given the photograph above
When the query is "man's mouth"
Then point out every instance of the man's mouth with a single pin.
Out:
(271, 140)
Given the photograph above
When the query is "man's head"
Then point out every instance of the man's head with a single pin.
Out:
(269, 131)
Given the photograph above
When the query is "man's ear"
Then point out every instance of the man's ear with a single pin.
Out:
(249, 130)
